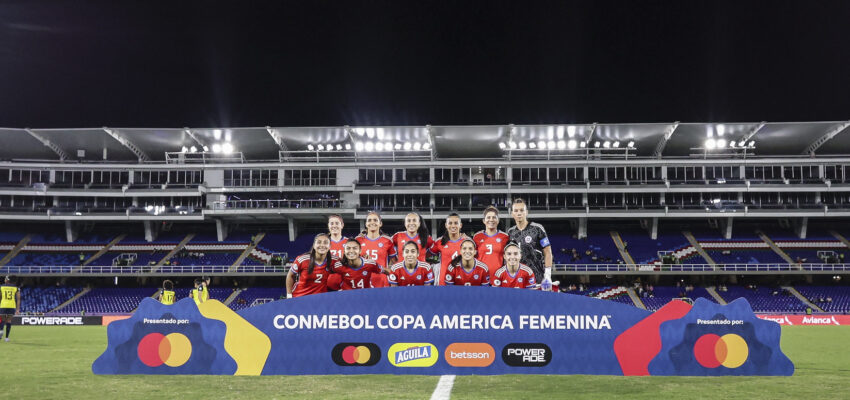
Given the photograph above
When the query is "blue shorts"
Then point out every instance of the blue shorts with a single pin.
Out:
(7, 311)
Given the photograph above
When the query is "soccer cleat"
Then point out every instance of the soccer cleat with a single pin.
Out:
(7, 339)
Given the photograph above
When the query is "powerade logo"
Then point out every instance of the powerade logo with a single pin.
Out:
(412, 354)
(527, 355)
(52, 320)
(356, 354)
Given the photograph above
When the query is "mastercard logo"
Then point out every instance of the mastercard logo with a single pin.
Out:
(172, 350)
(356, 354)
(729, 350)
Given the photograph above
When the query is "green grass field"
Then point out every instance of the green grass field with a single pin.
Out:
(55, 363)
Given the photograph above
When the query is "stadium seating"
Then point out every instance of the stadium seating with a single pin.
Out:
(108, 301)
(664, 294)
(840, 296)
(36, 300)
(246, 298)
(764, 300)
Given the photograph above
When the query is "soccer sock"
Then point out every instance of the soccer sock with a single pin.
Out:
(8, 328)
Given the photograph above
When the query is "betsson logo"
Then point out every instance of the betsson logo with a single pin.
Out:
(470, 354)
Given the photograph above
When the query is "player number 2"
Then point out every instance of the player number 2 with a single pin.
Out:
(319, 278)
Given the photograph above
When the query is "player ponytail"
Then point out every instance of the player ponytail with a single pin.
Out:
(313, 253)
(445, 238)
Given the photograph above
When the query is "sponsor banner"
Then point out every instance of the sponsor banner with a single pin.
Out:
(817, 319)
(443, 331)
(58, 321)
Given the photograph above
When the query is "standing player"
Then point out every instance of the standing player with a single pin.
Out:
(309, 273)
(166, 294)
(205, 294)
(375, 245)
(491, 241)
(514, 274)
(411, 271)
(10, 303)
(416, 232)
(355, 271)
(448, 245)
(534, 244)
(465, 270)
(338, 241)
(197, 294)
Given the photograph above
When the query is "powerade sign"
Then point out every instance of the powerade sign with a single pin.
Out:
(443, 331)
(57, 321)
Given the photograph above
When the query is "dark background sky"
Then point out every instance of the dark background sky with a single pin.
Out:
(319, 63)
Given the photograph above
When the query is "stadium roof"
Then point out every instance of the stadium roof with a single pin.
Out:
(671, 139)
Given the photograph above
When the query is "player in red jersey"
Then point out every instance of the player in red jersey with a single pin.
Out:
(448, 245)
(375, 245)
(415, 231)
(491, 241)
(309, 272)
(355, 271)
(411, 271)
(513, 274)
(465, 270)
(335, 226)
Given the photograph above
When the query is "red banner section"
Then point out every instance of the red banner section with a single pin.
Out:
(820, 319)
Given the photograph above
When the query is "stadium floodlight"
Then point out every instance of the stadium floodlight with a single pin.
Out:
(370, 146)
(370, 133)
(426, 146)
(148, 208)
(309, 147)
(752, 144)
(616, 144)
(710, 144)
(348, 146)
(541, 145)
(379, 146)
(398, 146)
(207, 149)
(417, 146)
(631, 144)
(193, 149)
(512, 145)
(571, 144)
(339, 147)
(217, 147)
(358, 146)
(571, 130)
(522, 145)
(184, 149)
(407, 146)
(721, 143)
(227, 148)
(732, 144)
(320, 147)
(583, 144)
(597, 144)
(551, 145)
(388, 146)
(721, 129)
(606, 144)
(562, 145)
(502, 145)
(379, 132)
(532, 145)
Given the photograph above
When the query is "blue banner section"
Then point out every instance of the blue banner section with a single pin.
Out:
(435, 331)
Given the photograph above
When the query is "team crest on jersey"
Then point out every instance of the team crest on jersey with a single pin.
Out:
(528, 239)
(364, 273)
(392, 277)
(382, 245)
(497, 283)
(519, 280)
(475, 276)
(418, 276)
(448, 277)
(498, 240)
(430, 275)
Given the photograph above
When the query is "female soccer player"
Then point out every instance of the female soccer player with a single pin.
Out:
(166, 294)
(312, 269)
(448, 245)
(465, 270)
(411, 271)
(513, 274)
(415, 232)
(338, 241)
(355, 271)
(491, 241)
(375, 245)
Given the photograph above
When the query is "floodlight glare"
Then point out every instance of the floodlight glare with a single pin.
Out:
(398, 146)
(193, 149)
(572, 144)
(348, 146)
(541, 145)
(721, 143)
(502, 145)
(606, 144)
(417, 146)
(320, 147)
(217, 147)
(752, 143)
(732, 144)
(512, 145)
(532, 145)
(426, 146)
(379, 146)
(207, 149)
(597, 144)
(388, 146)
(339, 147)
(357, 146)
(370, 146)
(407, 145)
(616, 144)
(522, 145)
(562, 145)
(227, 148)
(721, 129)
(631, 144)
(583, 144)
(710, 144)
(571, 130)
(184, 149)
(550, 144)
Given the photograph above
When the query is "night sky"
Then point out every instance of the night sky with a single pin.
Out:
(324, 63)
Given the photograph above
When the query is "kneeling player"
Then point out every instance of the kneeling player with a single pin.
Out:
(465, 270)
(411, 271)
(513, 274)
(356, 272)
(309, 273)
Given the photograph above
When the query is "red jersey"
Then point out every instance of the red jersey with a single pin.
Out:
(380, 249)
(400, 238)
(338, 248)
(446, 252)
(478, 276)
(421, 275)
(317, 282)
(523, 278)
(490, 249)
(358, 278)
